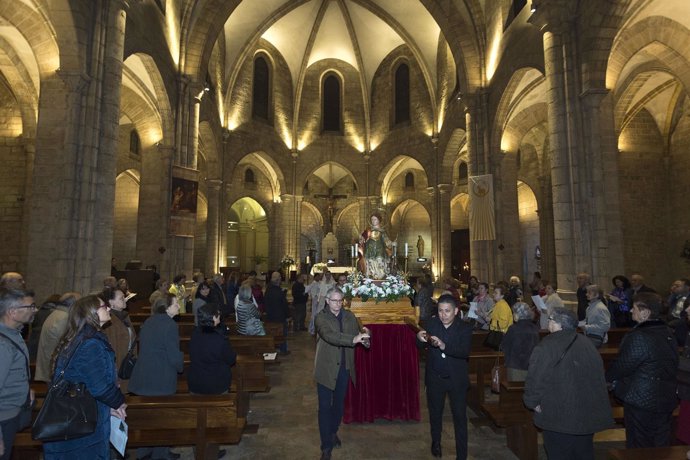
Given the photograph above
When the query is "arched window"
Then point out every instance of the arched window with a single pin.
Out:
(409, 181)
(331, 103)
(249, 176)
(261, 90)
(134, 142)
(402, 94)
(462, 171)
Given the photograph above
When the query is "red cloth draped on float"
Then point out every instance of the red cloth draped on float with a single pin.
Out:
(387, 377)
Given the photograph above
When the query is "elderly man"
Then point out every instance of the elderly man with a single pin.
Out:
(597, 318)
(17, 309)
(277, 309)
(334, 366)
(53, 328)
(12, 280)
(566, 389)
(318, 292)
(217, 295)
(637, 286)
(448, 340)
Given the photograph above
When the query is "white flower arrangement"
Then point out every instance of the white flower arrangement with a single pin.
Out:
(319, 267)
(287, 261)
(393, 288)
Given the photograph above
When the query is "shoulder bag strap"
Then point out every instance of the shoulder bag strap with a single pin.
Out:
(566, 350)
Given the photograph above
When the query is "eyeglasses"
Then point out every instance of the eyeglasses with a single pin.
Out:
(334, 300)
(105, 305)
(551, 318)
(32, 306)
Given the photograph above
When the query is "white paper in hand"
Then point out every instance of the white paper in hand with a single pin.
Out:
(539, 302)
(472, 313)
(118, 434)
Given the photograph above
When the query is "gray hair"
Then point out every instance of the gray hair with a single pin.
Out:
(336, 290)
(566, 318)
(522, 311)
(11, 298)
(245, 293)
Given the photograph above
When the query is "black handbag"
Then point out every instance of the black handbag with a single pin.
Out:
(127, 365)
(493, 340)
(69, 411)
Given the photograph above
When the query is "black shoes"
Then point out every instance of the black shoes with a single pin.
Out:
(436, 449)
(336, 441)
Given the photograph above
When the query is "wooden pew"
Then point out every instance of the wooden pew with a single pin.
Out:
(521, 434)
(656, 453)
(203, 421)
(615, 337)
(250, 345)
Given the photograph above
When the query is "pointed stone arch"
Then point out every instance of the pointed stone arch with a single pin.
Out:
(671, 35)
(458, 140)
(141, 73)
(267, 166)
(395, 168)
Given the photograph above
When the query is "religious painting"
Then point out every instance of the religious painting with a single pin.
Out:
(183, 200)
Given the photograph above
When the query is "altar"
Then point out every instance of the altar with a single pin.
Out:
(387, 372)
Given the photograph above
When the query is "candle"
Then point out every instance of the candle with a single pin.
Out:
(405, 249)
(352, 250)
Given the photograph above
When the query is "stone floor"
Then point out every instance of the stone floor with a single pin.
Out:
(286, 416)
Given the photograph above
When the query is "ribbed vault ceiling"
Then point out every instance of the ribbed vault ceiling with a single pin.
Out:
(359, 32)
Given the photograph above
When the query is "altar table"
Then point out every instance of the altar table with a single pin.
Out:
(387, 377)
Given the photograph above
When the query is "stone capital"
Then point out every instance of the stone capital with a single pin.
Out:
(445, 188)
(592, 97)
(553, 16)
(214, 184)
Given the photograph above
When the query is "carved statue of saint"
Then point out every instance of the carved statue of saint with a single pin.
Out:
(420, 246)
(375, 249)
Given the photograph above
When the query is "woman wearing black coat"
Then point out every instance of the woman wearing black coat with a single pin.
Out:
(519, 341)
(210, 354)
(644, 375)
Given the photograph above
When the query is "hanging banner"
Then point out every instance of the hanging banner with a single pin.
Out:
(183, 200)
(482, 219)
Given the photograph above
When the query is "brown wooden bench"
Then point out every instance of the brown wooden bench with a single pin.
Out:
(521, 434)
(202, 421)
(615, 337)
(656, 453)
(250, 345)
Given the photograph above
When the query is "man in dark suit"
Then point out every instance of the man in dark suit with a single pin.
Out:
(582, 302)
(448, 340)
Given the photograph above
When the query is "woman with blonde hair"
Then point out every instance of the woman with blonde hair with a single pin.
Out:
(85, 356)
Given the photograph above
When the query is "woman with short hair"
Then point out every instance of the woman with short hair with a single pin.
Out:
(160, 359)
(644, 375)
(85, 356)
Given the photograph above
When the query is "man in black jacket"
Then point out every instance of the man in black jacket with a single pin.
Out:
(277, 309)
(644, 375)
(448, 340)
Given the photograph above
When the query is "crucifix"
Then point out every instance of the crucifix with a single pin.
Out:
(331, 209)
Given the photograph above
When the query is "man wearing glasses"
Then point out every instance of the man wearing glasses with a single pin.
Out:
(17, 308)
(337, 334)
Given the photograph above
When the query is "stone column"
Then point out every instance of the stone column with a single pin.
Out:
(481, 252)
(72, 204)
(551, 18)
(297, 254)
(213, 225)
(444, 242)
